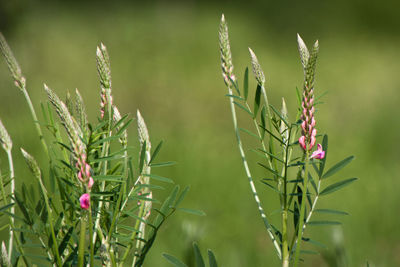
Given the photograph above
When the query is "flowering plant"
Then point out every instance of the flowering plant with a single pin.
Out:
(294, 171)
(96, 203)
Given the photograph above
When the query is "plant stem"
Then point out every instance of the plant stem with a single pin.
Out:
(82, 239)
(302, 209)
(12, 179)
(35, 120)
(246, 167)
(46, 200)
(90, 235)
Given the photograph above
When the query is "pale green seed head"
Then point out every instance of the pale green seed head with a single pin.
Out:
(303, 50)
(143, 132)
(225, 49)
(12, 63)
(257, 70)
(103, 66)
(81, 111)
(32, 164)
(5, 138)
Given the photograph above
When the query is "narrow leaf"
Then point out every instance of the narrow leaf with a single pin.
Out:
(257, 100)
(330, 211)
(197, 255)
(174, 261)
(336, 186)
(337, 167)
(242, 107)
(246, 83)
(192, 211)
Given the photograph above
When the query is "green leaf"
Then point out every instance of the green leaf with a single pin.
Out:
(330, 211)
(337, 167)
(108, 178)
(181, 196)
(313, 242)
(257, 100)
(156, 150)
(192, 211)
(246, 83)
(242, 107)
(235, 96)
(311, 252)
(270, 186)
(263, 125)
(65, 241)
(162, 164)
(211, 259)
(174, 261)
(316, 223)
(6, 206)
(142, 156)
(249, 133)
(159, 178)
(197, 255)
(279, 115)
(336, 186)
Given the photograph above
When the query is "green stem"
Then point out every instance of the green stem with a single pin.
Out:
(82, 239)
(46, 200)
(253, 189)
(302, 210)
(35, 120)
(12, 179)
(90, 235)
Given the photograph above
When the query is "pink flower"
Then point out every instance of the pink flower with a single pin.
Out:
(302, 141)
(85, 201)
(90, 183)
(319, 153)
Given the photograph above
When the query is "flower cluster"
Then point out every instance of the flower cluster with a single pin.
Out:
(308, 138)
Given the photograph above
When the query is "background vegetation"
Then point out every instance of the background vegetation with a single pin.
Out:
(165, 61)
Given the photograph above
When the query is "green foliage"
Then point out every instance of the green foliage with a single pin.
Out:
(123, 217)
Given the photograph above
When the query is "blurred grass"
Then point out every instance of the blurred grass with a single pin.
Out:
(165, 61)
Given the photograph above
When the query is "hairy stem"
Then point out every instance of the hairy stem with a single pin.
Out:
(253, 189)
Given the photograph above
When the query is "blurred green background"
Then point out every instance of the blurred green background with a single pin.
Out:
(165, 62)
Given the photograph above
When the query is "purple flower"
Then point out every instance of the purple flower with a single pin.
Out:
(85, 201)
(319, 153)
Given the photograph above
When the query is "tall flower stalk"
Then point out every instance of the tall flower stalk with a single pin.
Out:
(277, 138)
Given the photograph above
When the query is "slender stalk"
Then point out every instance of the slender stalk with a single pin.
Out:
(35, 120)
(46, 200)
(90, 235)
(253, 189)
(302, 210)
(12, 178)
(82, 239)
(133, 236)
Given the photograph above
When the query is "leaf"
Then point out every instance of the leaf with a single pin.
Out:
(337, 167)
(181, 196)
(336, 186)
(211, 259)
(159, 178)
(257, 100)
(197, 255)
(65, 241)
(312, 252)
(142, 156)
(6, 206)
(192, 211)
(313, 242)
(156, 150)
(246, 83)
(263, 125)
(317, 223)
(279, 115)
(271, 186)
(250, 133)
(235, 96)
(108, 178)
(162, 164)
(330, 211)
(171, 259)
(242, 107)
